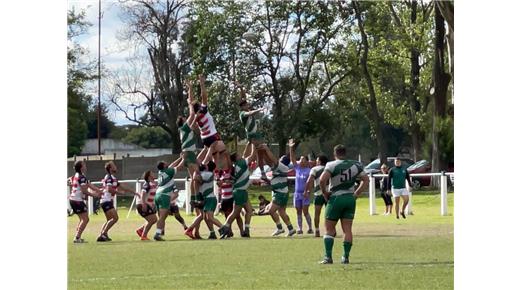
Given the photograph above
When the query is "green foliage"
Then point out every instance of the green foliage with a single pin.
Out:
(148, 137)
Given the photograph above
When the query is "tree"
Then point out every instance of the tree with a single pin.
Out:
(148, 137)
(377, 120)
(159, 27)
(106, 126)
(441, 80)
(78, 73)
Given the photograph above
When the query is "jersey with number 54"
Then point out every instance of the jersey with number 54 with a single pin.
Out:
(343, 175)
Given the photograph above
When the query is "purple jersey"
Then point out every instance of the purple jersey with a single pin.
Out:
(302, 174)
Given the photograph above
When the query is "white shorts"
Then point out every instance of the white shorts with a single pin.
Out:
(399, 192)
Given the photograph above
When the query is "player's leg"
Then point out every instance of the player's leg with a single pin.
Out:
(83, 221)
(196, 229)
(317, 213)
(286, 220)
(305, 211)
(346, 225)
(298, 204)
(248, 149)
(406, 198)
(249, 213)
(194, 225)
(202, 155)
(150, 221)
(161, 222)
(333, 213)
(273, 211)
(397, 200)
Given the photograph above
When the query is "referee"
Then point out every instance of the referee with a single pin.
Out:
(397, 177)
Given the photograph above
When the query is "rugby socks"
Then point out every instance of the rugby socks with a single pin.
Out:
(279, 226)
(289, 227)
(246, 225)
(346, 249)
(300, 222)
(158, 232)
(329, 243)
(309, 220)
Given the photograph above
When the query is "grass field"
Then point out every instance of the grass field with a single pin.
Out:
(416, 253)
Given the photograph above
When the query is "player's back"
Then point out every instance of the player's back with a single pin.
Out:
(343, 175)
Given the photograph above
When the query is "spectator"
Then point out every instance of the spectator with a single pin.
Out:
(384, 191)
(263, 210)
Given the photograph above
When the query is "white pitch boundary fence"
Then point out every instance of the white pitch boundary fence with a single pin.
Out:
(371, 193)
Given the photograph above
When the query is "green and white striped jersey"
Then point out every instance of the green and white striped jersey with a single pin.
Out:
(241, 176)
(279, 181)
(206, 188)
(249, 122)
(343, 175)
(166, 181)
(316, 172)
(187, 138)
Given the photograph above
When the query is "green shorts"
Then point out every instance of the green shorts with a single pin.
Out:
(319, 200)
(254, 136)
(280, 199)
(240, 197)
(189, 158)
(162, 201)
(341, 207)
(210, 204)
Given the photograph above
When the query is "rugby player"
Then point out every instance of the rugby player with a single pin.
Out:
(397, 177)
(313, 185)
(79, 190)
(301, 198)
(226, 200)
(166, 191)
(240, 196)
(206, 178)
(214, 147)
(110, 187)
(146, 206)
(341, 199)
(186, 127)
(254, 138)
(280, 191)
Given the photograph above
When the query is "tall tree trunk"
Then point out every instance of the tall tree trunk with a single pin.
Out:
(441, 80)
(414, 105)
(377, 120)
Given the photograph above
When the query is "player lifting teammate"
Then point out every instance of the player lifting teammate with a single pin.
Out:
(280, 191)
(341, 197)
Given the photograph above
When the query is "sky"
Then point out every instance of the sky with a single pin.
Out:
(113, 54)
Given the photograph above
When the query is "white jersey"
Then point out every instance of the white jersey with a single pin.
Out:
(206, 123)
(110, 181)
(316, 172)
(77, 181)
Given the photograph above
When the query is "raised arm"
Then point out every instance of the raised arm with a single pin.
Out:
(291, 152)
(191, 117)
(203, 92)
(124, 188)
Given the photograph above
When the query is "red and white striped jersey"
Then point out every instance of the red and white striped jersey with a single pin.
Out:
(206, 123)
(108, 182)
(150, 188)
(226, 189)
(77, 180)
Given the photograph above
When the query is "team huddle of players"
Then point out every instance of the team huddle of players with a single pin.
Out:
(333, 183)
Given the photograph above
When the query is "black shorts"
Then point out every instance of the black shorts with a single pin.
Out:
(211, 139)
(173, 208)
(149, 210)
(78, 206)
(107, 205)
(227, 205)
